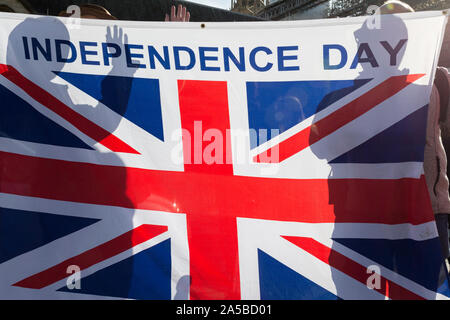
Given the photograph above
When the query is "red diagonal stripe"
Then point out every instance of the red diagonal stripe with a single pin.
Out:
(83, 124)
(351, 268)
(337, 119)
(93, 256)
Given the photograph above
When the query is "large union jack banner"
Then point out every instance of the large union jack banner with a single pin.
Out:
(271, 160)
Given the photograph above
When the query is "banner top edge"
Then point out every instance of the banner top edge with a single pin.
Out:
(227, 25)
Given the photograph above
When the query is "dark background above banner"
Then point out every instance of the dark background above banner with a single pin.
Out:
(140, 10)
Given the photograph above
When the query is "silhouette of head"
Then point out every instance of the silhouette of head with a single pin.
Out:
(380, 26)
(31, 46)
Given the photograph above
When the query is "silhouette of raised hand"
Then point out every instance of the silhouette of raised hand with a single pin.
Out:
(117, 36)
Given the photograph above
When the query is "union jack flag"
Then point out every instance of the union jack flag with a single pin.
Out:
(204, 231)
(331, 200)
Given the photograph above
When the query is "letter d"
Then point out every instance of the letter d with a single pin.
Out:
(326, 56)
(176, 54)
(71, 53)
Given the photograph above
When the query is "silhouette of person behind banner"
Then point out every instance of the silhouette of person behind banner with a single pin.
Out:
(22, 122)
(352, 198)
